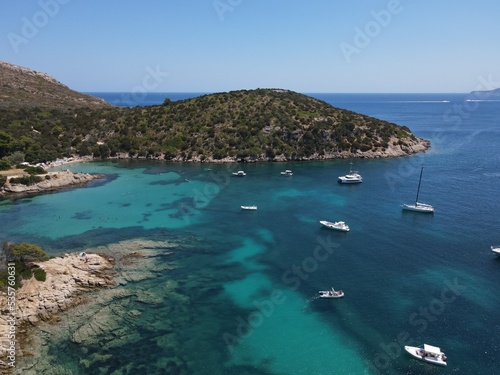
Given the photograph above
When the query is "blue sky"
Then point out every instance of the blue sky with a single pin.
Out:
(221, 45)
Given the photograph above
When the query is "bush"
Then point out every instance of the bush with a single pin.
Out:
(26, 180)
(4, 165)
(35, 170)
(25, 252)
(39, 274)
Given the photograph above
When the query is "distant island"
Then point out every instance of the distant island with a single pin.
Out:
(43, 120)
(486, 93)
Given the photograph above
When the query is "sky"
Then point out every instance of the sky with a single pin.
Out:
(308, 46)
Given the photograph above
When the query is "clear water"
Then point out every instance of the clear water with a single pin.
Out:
(246, 281)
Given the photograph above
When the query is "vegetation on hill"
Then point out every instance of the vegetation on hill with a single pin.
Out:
(262, 124)
(24, 87)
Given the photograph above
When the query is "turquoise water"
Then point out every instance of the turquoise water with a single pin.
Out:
(246, 281)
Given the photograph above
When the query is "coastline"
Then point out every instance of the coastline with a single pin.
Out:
(84, 303)
(394, 150)
(67, 279)
(51, 181)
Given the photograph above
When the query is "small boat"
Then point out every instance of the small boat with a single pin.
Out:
(496, 249)
(353, 177)
(338, 225)
(288, 172)
(249, 208)
(428, 353)
(331, 293)
(419, 207)
(239, 174)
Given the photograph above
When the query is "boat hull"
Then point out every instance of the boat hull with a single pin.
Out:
(420, 207)
(249, 208)
(350, 180)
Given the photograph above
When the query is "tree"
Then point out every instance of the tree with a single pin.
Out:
(17, 157)
(5, 165)
(24, 252)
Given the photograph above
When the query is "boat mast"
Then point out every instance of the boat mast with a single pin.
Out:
(419, 181)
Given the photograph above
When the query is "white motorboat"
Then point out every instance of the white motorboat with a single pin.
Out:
(353, 177)
(428, 353)
(288, 172)
(338, 225)
(331, 293)
(419, 207)
(496, 249)
(249, 208)
(239, 174)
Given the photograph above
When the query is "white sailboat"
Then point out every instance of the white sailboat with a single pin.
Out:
(419, 207)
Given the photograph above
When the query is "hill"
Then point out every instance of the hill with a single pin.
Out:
(244, 125)
(486, 93)
(23, 87)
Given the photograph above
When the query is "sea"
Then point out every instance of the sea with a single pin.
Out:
(239, 292)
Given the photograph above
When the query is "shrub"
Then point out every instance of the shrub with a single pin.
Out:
(25, 180)
(35, 170)
(39, 274)
(4, 165)
(25, 252)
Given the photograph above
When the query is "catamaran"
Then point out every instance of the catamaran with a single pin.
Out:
(353, 177)
(419, 207)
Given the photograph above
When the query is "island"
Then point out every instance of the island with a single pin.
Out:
(264, 124)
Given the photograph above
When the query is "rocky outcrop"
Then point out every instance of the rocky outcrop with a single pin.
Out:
(67, 278)
(103, 316)
(51, 181)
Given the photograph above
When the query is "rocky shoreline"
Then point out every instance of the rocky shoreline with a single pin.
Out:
(94, 288)
(392, 151)
(51, 181)
(67, 279)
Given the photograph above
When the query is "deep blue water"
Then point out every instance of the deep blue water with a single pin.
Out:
(409, 278)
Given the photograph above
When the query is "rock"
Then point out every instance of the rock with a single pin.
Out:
(37, 300)
(50, 182)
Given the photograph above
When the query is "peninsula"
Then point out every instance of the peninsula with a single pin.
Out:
(51, 181)
(236, 126)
